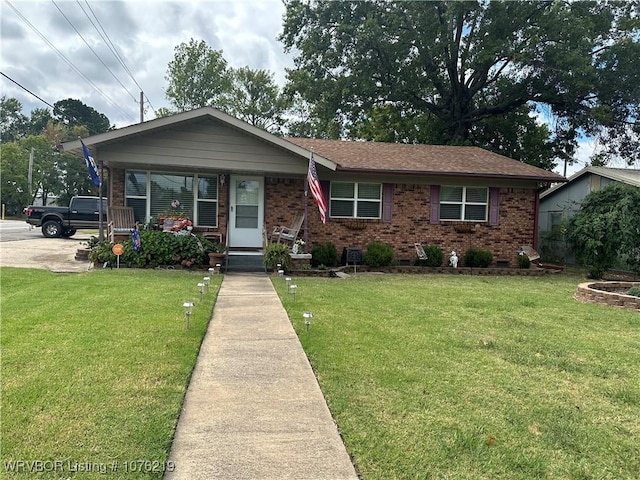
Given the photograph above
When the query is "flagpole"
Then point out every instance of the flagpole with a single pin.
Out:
(96, 172)
(100, 208)
(306, 194)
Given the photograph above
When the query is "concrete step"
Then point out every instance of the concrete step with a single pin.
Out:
(82, 254)
(245, 262)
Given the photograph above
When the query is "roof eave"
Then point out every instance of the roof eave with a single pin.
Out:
(437, 173)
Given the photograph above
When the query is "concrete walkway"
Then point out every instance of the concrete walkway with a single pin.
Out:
(253, 408)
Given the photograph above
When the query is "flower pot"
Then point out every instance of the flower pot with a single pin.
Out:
(215, 258)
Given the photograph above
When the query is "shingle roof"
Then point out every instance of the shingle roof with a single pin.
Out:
(378, 157)
(629, 176)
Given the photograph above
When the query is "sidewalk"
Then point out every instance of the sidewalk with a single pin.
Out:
(253, 408)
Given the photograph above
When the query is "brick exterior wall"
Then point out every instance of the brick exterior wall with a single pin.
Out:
(410, 223)
(410, 220)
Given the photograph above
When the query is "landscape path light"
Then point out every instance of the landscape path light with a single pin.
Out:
(293, 289)
(201, 287)
(307, 320)
(207, 280)
(188, 308)
(288, 280)
(219, 267)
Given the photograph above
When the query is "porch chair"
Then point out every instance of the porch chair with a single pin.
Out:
(283, 233)
(121, 221)
(420, 251)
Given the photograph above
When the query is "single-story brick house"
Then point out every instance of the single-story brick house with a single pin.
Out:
(241, 181)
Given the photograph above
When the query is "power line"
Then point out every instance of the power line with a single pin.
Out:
(27, 90)
(92, 50)
(110, 45)
(66, 60)
(70, 117)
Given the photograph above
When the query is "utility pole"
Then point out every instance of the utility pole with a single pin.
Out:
(30, 173)
(141, 106)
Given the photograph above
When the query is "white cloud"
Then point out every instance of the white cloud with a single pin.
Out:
(145, 35)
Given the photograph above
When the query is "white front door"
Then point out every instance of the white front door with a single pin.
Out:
(246, 211)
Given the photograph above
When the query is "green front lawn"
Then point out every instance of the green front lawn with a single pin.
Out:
(95, 367)
(458, 377)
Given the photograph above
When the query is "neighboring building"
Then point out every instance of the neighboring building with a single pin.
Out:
(240, 181)
(559, 203)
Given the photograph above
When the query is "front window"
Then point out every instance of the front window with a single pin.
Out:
(152, 194)
(207, 201)
(136, 194)
(464, 203)
(356, 200)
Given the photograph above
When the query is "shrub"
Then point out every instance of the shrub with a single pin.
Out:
(434, 256)
(478, 258)
(378, 255)
(324, 254)
(634, 291)
(523, 261)
(158, 249)
(277, 253)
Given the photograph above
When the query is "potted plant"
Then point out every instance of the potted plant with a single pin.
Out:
(216, 252)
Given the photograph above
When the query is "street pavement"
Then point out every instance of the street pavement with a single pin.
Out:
(25, 248)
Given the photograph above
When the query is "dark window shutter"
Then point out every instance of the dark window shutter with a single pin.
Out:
(494, 206)
(435, 204)
(387, 202)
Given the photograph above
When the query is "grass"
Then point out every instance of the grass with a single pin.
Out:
(458, 377)
(95, 367)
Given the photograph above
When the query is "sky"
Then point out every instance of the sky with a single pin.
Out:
(59, 49)
(54, 49)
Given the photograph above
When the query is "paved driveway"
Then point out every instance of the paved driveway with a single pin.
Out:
(29, 249)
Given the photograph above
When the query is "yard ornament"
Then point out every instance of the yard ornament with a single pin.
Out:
(453, 259)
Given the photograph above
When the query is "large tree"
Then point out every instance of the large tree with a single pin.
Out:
(12, 120)
(198, 76)
(74, 113)
(54, 174)
(457, 72)
(256, 99)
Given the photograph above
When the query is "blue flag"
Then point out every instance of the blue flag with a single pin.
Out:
(91, 165)
(135, 240)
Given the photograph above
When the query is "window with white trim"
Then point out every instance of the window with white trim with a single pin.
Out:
(151, 194)
(464, 203)
(355, 200)
(207, 201)
(135, 191)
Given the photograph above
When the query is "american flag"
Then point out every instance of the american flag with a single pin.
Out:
(316, 189)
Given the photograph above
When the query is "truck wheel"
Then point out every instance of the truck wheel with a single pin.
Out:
(51, 229)
(69, 232)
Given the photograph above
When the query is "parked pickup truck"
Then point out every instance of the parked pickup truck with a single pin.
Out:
(82, 212)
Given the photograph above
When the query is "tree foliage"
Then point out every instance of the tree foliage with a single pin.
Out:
(54, 174)
(12, 121)
(198, 76)
(606, 228)
(74, 113)
(256, 99)
(470, 72)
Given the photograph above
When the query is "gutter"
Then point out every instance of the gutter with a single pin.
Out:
(500, 176)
